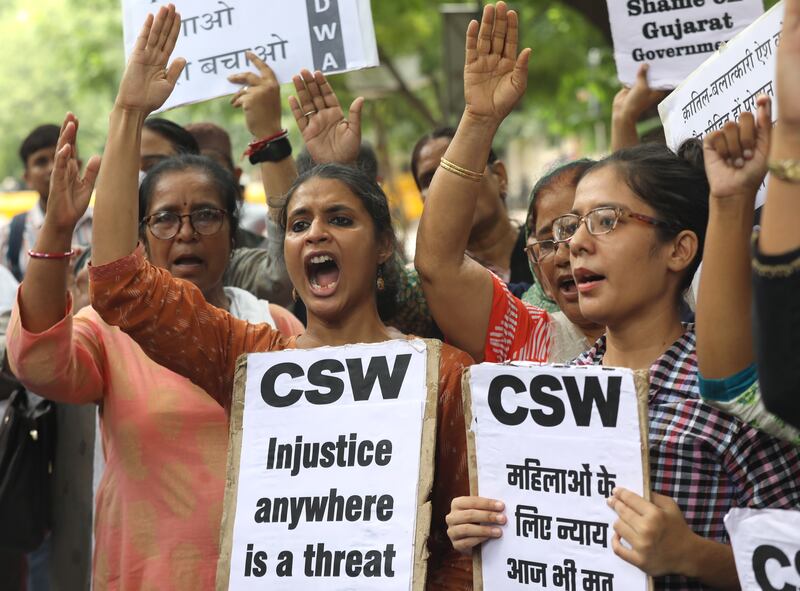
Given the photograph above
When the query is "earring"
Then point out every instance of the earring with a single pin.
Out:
(380, 282)
(295, 297)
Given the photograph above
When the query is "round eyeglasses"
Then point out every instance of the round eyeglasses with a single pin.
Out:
(538, 250)
(165, 225)
(598, 221)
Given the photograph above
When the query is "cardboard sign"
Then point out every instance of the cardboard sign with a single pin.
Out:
(673, 36)
(552, 442)
(327, 35)
(726, 85)
(330, 467)
(766, 547)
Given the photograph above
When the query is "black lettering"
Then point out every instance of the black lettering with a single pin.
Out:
(328, 457)
(248, 560)
(353, 566)
(285, 564)
(761, 556)
(390, 383)
(554, 403)
(383, 452)
(385, 508)
(364, 457)
(316, 377)
(495, 398)
(608, 408)
(268, 385)
(260, 563)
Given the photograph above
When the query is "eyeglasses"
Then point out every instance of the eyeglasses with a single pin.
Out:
(539, 250)
(598, 221)
(165, 225)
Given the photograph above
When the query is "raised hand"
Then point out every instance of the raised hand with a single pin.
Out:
(259, 98)
(632, 101)
(328, 136)
(736, 155)
(147, 81)
(69, 193)
(495, 77)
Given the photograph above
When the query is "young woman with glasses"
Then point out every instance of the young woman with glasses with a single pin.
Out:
(159, 502)
(634, 233)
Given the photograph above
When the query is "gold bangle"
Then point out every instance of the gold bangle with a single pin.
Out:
(785, 170)
(460, 171)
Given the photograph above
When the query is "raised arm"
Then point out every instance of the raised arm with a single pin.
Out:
(41, 324)
(458, 290)
(776, 269)
(736, 163)
(260, 101)
(630, 103)
(146, 84)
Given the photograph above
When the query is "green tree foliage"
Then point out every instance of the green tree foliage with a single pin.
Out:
(61, 55)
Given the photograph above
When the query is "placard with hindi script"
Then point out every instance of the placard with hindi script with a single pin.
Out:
(726, 85)
(552, 442)
(327, 35)
(330, 465)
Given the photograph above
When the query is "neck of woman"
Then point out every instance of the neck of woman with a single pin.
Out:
(361, 325)
(493, 246)
(216, 297)
(640, 339)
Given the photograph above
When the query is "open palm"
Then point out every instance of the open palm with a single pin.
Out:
(69, 193)
(328, 136)
(147, 82)
(495, 77)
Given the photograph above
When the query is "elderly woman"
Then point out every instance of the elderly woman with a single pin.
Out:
(165, 440)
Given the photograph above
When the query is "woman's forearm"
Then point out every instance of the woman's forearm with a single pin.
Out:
(780, 217)
(116, 211)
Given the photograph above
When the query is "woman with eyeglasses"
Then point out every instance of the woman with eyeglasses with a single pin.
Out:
(159, 503)
(634, 235)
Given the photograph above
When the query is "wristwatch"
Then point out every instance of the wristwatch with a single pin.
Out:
(786, 170)
(274, 151)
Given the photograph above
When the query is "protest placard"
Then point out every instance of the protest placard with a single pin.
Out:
(330, 467)
(327, 35)
(673, 36)
(766, 548)
(726, 84)
(552, 442)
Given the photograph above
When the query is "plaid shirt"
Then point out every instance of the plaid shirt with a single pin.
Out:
(706, 460)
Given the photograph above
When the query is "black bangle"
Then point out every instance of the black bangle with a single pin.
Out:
(274, 151)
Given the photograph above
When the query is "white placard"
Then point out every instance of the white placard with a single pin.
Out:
(726, 85)
(327, 35)
(329, 467)
(551, 442)
(673, 36)
(766, 547)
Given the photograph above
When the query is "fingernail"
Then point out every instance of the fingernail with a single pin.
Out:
(499, 506)
(729, 162)
(614, 490)
(738, 163)
(748, 154)
(497, 532)
(500, 518)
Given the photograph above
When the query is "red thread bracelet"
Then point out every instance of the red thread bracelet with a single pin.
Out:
(258, 145)
(51, 255)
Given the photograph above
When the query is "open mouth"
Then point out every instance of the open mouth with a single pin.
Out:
(586, 280)
(323, 274)
(187, 262)
(566, 285)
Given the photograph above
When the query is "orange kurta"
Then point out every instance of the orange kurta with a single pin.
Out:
(174, 324)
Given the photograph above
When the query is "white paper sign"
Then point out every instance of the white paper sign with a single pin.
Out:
(327, 35)
(551, 443)
(329, 468)
(673, 36)
(766, 547)
(726, 85)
